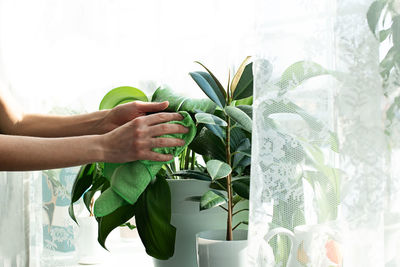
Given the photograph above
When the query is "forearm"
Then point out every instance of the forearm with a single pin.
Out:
(58, 126)
(20, 153)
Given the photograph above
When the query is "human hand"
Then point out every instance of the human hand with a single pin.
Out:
(135, 139)
(124, 113)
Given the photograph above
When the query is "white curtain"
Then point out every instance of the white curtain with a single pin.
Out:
(62, 56)
(326, 153)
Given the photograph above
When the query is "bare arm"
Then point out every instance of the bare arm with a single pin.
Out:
(122, 134)
(132, 141)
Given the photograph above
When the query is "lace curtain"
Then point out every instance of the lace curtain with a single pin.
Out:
(325, 157)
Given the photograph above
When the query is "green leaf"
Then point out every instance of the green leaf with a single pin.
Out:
(246, 109)
(217, 130)
(82, 182)
(396, 32)
(193, 174)
(121, 95)
(242, 187)
(178, 102)
(383, 34)
(239, 73)
(211, 199)
(244, 88)
(298, 72)
(207, 118)
(209, 87)
(242, 157)
(374, 14)
(108, 202)
(129, 225)
(240, 117)
(153, 216)
(244, 101)
(207, 144)
(112, 221)
(237, 137)
(88, 196)
(218, 169)
(221, 88)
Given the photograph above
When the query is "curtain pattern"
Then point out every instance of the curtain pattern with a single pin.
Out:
(324, 158)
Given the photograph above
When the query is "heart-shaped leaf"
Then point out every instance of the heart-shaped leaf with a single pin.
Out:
(121, 95)
(211, 199)
(240, 117)
(218, 169)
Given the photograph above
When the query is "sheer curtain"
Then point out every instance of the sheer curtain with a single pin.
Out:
(62, 56)
(324, 156)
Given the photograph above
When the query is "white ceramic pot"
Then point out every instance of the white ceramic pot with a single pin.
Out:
(189, 220)
(89, 250)
(214, 251)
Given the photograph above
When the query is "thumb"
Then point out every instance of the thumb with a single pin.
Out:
(152, 106)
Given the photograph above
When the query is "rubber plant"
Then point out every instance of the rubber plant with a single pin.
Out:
(135, 188)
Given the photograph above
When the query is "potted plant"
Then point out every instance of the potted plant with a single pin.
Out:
(173, 209)
(225, 143)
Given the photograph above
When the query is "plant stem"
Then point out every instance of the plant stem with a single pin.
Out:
(187, 159)
(229, 234)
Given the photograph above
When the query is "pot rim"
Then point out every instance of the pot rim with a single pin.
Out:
(208, 235)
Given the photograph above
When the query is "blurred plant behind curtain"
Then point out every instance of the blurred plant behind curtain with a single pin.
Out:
(62, 56)
(326, 153)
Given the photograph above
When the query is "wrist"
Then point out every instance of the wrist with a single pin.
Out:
(98, 148)
(102, 126)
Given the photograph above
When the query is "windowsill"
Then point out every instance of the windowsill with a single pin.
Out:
(123, 252)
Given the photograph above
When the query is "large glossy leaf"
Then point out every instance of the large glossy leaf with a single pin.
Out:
(121, 95)
(193, 174)
(242, 187)
(112, 221)
(209, 87)
(246, 109)
(108, 202)
(218, 169)
(82, 182)
(178, 102)
(88, 196)
(243, 151)
(212, 198)
(207, 118)
(238, 74)
(374, 13)
(208, 144)
(240, 117)
(221, 88)
(153, 216)
(237, 137)
(299, 72)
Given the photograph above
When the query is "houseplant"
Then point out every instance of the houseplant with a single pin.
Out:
(93, 178)
(224, 142)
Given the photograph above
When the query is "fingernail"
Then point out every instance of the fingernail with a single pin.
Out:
(183, 142)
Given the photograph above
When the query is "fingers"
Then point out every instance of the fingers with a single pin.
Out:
(151, 155)
(161, 129)
(161, 117)
(151, 106)
(166, 142)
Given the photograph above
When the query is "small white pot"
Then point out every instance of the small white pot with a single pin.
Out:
(89, 250)
(214, 251)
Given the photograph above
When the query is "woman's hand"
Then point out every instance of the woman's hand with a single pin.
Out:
(124, 113)
(135, 139)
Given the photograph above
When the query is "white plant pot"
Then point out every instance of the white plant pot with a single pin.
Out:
(189, 220)
(89, 250)
(214, 251)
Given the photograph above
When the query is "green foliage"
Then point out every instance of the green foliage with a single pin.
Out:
(240, 117)
(153, 216)
(121, 95)
(211, 199)
(218, 169)
(206, 83)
